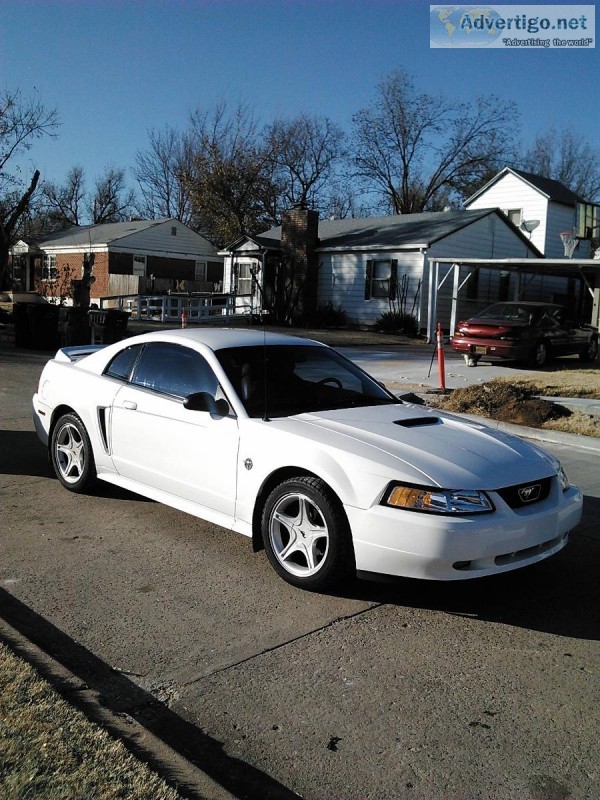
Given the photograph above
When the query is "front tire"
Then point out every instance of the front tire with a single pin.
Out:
(71, 454)
(306, 534)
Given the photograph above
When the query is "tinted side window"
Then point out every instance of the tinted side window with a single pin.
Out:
(174, 370)
(122, 364)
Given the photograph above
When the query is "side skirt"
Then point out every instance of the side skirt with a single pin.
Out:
(195, 510)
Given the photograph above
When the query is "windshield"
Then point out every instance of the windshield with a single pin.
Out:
(282, 380)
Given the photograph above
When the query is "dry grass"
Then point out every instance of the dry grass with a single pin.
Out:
(49, 750)
(516, 400)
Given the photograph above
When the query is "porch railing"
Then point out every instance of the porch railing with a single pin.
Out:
(200, 310)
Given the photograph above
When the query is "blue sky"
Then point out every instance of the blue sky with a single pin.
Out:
(115, 70)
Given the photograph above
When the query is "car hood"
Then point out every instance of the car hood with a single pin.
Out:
(424, 445)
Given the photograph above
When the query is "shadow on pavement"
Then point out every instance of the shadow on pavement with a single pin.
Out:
(121, 696)
(560, 596)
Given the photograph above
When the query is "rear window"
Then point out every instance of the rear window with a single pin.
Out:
(122, 364)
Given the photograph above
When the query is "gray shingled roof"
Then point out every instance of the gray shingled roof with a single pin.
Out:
(86, 235)
(555, 190)
(395, 231)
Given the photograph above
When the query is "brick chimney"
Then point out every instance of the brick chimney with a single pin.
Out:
(299, 239)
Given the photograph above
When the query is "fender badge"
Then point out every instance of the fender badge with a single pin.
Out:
(248, 463)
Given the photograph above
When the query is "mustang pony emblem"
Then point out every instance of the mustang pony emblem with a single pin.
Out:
(530, 493)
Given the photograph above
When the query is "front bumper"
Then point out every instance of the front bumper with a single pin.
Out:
(390, 541)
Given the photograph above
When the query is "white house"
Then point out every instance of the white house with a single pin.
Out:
(365, 265)
(541, 207)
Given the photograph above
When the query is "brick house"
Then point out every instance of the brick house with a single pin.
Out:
(125, 258)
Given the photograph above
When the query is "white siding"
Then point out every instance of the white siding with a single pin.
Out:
(561, 218)
(342, 282)
(511, 192)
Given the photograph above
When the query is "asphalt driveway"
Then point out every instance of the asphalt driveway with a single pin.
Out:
(484, 689)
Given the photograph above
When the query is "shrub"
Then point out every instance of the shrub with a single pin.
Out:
(327, 316)
(397, 322)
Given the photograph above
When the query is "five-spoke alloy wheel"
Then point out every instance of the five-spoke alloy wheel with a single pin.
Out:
(71, 453)
(306, 534)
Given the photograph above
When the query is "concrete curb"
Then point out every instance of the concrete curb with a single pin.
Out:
(539, 434)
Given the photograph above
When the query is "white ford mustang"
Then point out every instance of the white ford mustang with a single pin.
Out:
(286, 441)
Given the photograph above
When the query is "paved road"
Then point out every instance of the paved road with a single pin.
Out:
(487, 689)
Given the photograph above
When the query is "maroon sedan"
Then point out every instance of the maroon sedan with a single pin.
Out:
(531, 332)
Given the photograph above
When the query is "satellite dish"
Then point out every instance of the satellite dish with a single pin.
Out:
(530, 225)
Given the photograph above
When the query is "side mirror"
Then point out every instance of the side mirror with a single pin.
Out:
(204, 401)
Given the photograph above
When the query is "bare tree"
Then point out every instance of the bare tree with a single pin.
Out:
(63, 205)
(112, 201)
(22, 121)
(567, 157)
(160, 172)
(416, 150)
(305, 152)
(230, 180)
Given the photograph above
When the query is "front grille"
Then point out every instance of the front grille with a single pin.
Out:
(526, 494)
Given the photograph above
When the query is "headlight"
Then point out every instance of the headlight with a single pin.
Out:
(562, 479)
(436, 501)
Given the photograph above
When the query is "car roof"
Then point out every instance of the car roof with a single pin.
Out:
(219, 338)
(532, 303)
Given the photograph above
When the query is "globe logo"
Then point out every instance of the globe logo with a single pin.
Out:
(463, 26)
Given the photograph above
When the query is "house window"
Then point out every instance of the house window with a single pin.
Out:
(49, 268)
(380, 279)
(244, 278)
(515, 215)
(173, 231)
(139, 265)
(587, 223)
(200, 271)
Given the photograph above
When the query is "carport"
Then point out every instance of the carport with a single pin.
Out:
(444, 270)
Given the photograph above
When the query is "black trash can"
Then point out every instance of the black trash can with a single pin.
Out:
(43, 326)
(21, 320)
(74, 326)
(108, 326)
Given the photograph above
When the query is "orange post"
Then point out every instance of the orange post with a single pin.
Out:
(440, 353)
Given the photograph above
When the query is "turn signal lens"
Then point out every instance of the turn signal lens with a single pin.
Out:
(437, 501)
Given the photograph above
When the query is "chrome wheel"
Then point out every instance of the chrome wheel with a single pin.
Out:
(71, 453)
(306, 534)
(298, 535)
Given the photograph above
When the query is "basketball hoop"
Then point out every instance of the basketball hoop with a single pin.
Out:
(570, 242)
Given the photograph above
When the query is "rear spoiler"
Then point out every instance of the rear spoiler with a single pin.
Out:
(77, 352)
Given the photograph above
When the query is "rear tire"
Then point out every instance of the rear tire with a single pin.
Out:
(540, 355)
(306, 534)
(591, 351)
(71, 454)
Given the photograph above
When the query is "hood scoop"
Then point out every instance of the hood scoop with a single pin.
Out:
(416, 422)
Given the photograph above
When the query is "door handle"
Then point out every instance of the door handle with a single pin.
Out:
(129, 405)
